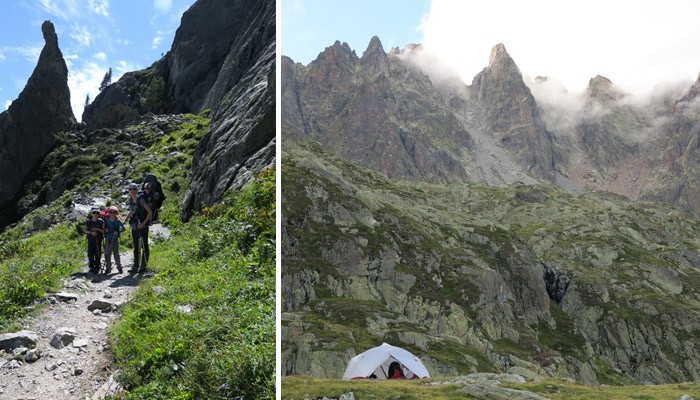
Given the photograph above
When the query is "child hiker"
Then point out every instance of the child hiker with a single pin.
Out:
(94, 229)
(114, 227)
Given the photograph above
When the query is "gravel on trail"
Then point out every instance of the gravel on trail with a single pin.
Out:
(72, 358)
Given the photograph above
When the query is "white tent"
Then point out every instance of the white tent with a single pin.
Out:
(376, 361)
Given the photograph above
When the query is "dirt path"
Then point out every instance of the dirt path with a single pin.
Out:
(81, 369)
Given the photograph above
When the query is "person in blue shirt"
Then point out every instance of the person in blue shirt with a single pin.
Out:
(113, 226)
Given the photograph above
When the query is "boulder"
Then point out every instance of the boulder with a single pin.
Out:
(62, 338)
(11, 341)
(102, 305)
(66, 296)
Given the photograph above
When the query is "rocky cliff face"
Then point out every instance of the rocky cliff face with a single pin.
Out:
(375, 111)
(478, 278)
(222, 59)
(28, 128)
(242, 98)
(384, 113)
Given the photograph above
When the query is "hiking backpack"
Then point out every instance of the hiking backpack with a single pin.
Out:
(156, 188)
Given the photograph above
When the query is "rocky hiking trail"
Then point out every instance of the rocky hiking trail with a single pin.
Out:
(65, 352)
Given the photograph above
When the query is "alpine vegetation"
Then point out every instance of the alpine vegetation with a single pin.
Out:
(147, 231)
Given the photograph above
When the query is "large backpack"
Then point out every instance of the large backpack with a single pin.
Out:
(155, 188)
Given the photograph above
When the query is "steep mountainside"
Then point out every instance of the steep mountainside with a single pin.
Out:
(24, 138)
(479, 278)
(486, 228)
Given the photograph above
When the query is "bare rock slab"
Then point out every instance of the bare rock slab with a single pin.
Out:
(66, 296)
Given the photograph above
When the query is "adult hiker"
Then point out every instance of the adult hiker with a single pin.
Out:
(139, 216)
(94, 229)
(114, 226)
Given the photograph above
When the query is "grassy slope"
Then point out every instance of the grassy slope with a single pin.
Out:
(300, 387)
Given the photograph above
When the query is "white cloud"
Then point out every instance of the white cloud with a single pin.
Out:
(99, 7)
(158, 39)
(81, 35)
(635, 44)
(30, 53)
(65, 9)
(122, 68)
(101, 56)
(162, 5)
(83, 80)
(7, 104)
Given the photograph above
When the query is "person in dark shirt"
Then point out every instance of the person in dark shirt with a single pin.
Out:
(140, 215)
(94, 230)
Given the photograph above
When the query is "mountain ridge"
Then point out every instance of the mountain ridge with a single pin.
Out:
(607, 136)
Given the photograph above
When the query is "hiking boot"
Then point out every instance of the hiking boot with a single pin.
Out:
(134, 270)
(119, 268)
(108, 271)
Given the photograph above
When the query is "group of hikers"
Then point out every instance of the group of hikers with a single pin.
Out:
(103, 227)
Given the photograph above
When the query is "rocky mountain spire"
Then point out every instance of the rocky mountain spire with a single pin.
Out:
(29, 126)
(602, 89)
(513, 114)
(375, 58)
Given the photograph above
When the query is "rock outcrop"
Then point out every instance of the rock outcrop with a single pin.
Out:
(241, 141)
(29, 127)
(223, 60)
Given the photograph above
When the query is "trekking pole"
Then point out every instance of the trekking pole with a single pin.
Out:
(144, 259)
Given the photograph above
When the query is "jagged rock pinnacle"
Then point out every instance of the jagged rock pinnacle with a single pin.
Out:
(497, 54)
(693, 92)
(374, 47)
(49, 32)
(29, 127)
(602, 89)
(375, 58)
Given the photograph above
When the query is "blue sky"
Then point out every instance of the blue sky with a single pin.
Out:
(309, 26)
(637, 44)
(94, 35)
